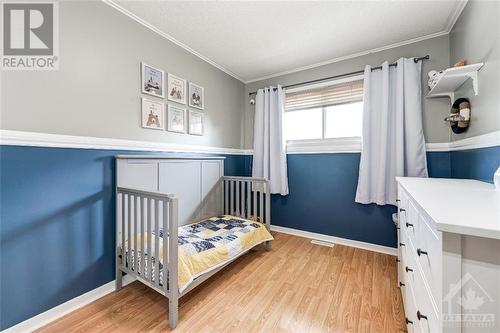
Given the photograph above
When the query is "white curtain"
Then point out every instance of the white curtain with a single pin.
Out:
(269, 146)
(393, 137)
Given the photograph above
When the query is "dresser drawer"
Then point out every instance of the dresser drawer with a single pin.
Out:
(410, 310)
(410, 268)
(429, 257)
(402, 197)
(402, 229)
(411, 226)
(427, 317)
(402, 202)
(403, 243)
(401, 262)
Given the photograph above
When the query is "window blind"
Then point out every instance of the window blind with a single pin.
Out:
(341, 93)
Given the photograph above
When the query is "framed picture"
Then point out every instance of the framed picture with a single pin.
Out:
(176, 89)
(196, 96)
(176, 119)
(153, 81)
(195, 123)
(153, 114)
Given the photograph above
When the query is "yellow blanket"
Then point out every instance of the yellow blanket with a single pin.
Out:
(207, 245)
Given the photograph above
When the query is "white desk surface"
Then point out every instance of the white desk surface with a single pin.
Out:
(462, 206)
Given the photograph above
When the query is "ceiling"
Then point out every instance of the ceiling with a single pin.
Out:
(252, 40)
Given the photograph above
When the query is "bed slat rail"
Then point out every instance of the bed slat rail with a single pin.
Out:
(140, 217)
(247, 197)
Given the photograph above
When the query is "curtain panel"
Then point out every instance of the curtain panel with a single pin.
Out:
(269, 147)
(393, 137)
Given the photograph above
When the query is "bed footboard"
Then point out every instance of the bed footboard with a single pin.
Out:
(140, 219)
(249, 198)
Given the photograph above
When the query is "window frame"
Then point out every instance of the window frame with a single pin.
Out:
(343, 144)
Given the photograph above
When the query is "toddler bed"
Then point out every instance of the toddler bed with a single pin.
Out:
(173, 259)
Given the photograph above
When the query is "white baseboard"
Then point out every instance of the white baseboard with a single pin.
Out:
(337, 240)
(44, 318)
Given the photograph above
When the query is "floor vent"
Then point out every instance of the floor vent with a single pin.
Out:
(322, 243)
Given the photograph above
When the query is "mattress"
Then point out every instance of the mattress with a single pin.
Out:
(203, 246)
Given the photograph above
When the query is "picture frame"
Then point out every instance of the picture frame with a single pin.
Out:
(176, 89)
(152, 81)
(196, 125)
(152, 114)
(196, 96)
(176, 119)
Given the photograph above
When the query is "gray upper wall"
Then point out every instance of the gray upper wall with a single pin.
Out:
(96, 91)
(476, 38)
(434, 109)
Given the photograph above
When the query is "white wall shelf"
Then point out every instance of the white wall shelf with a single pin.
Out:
(453, 78)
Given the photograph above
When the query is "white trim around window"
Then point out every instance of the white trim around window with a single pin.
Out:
(317, 146)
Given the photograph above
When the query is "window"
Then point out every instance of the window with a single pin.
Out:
(333, 110)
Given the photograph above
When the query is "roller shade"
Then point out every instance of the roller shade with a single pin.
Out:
(346, 92)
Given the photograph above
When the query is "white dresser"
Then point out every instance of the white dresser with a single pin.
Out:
(449, 245)
(195, 181)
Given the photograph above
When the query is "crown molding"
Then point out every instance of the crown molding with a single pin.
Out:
(455, 15)
(451, 22)
(151, 27)
(350, 56)
(35, 139)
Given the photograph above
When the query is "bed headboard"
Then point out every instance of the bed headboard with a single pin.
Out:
(196, 182)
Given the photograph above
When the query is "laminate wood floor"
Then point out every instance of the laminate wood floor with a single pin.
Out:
(296, 287)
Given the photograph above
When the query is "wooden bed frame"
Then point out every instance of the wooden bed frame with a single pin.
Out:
(144, 213)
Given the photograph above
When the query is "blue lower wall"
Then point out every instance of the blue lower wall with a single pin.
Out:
(478, 164)
(438, 164)
(57, 214)
(321, 199)
(57, 225)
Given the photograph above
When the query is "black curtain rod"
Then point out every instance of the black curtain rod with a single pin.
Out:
(417, 59)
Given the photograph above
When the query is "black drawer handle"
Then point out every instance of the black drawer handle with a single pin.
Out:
(401, 284)
(402, 210)
(408, 269)
(397, 228)
(397, 260)
(420, 252)
(421, 316)
(409, 225)
(408, 321)
(397, 200)
(401, 244)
